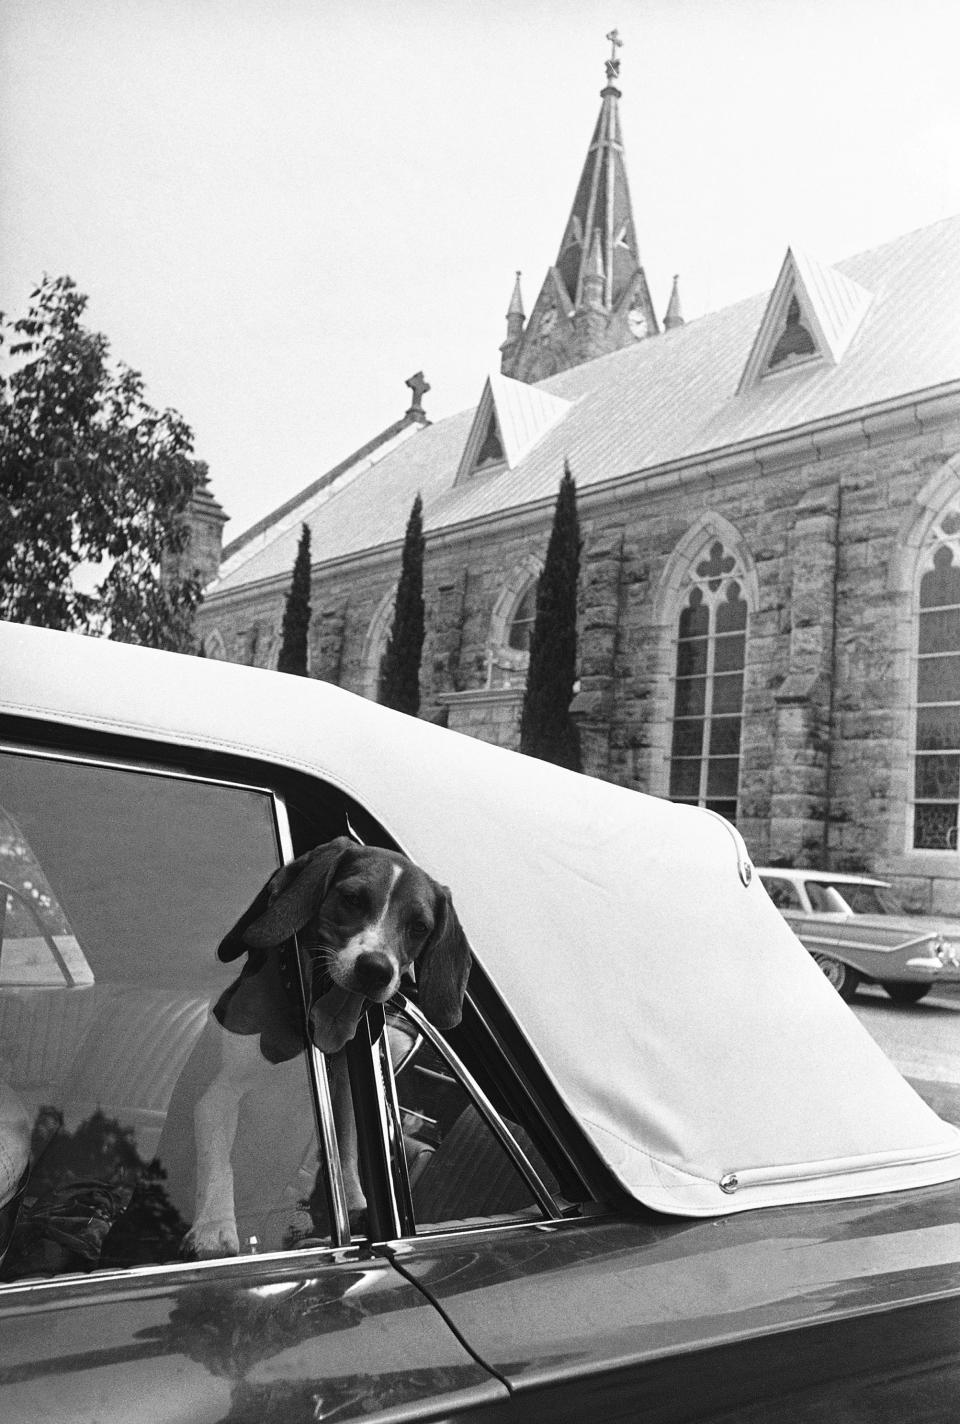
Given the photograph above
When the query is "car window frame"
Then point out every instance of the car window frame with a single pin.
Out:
(391, 1211)
(318, 1080)
(59, 742)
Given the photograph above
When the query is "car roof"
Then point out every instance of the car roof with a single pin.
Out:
(831, 877)
(705, 1056)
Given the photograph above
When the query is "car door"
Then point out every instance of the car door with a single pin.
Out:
(123, 875)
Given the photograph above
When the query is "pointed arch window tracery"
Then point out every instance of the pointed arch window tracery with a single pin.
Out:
(936, 770)
(708, 685)
(511, 625)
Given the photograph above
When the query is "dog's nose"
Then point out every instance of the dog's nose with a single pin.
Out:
(372, 971)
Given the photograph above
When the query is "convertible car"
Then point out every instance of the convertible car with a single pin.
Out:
(659, 1171)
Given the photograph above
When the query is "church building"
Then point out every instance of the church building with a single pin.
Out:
(769, 500)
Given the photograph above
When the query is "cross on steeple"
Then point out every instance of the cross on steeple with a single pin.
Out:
(613, 63)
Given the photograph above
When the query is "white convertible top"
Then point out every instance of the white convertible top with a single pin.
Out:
(705, 1055)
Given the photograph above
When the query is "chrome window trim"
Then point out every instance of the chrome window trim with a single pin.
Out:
(542, 1196)
(399, 1194)
(147, 768)
(404, 1221)
(316, 1063)
(108, 1282)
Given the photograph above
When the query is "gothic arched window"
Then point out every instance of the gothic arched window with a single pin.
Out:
(511, 625)
(375, 645)
(937, 745)
(524, 617)
(708, 692)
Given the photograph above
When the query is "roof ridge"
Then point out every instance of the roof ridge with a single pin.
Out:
(894, 241)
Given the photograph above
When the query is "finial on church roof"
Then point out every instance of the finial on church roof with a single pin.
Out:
(674, 316)
(612, 65)
(516, 301)
(515, 320)
(419, 387)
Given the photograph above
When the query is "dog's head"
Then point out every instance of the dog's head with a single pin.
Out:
(364, 915)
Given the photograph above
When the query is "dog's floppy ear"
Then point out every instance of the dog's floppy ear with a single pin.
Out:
(443, 966)
(232, 945)
(286, 902)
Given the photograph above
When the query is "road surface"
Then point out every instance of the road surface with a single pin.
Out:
(922, 1039)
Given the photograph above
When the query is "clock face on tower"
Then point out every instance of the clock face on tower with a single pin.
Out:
(637, 323)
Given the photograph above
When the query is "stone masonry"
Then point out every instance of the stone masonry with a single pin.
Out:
(822, 530)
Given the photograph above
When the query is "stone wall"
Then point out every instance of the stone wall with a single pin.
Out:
(817, 528)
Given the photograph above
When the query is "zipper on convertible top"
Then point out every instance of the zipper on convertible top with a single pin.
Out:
(732, 1182)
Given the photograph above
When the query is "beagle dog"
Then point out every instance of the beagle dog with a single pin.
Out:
(363, 917)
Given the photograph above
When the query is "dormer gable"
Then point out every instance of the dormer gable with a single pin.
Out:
(811, 317)
(510, 419)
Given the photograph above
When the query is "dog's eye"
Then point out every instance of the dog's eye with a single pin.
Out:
(350, 897)
(418, 929)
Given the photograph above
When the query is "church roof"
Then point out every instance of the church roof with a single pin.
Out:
(666, 403)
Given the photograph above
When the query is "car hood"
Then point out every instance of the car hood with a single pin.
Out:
(704, 1053)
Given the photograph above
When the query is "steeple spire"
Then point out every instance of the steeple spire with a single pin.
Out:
(602, 202)
(595, 298)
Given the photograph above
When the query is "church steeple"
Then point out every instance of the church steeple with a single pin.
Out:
(595, 298)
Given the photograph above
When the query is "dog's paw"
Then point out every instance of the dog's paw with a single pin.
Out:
(209, 1239)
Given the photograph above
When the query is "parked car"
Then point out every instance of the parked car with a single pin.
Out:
(857, 931)
(659, 1171)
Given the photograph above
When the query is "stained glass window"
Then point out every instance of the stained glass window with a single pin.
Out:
(937, 752)
(708, 696)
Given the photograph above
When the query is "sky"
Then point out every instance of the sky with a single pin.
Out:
(281, 209)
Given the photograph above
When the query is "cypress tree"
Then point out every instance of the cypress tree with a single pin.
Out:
(296, 613)
(400, 667)
(546, 727)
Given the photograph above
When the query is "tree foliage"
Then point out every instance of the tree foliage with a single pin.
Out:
(400, 666)
(296, 612)
(546, 728)
(93, 482)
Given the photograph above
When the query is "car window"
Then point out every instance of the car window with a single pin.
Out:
(871, 900)
(826, 899)
(459, 1170)
(783, 893)
(118, 887)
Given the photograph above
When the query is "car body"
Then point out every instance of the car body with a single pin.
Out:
(856, 930)
(659, 1171)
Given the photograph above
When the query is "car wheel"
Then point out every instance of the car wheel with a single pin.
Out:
(841, 976)
(902, 993)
